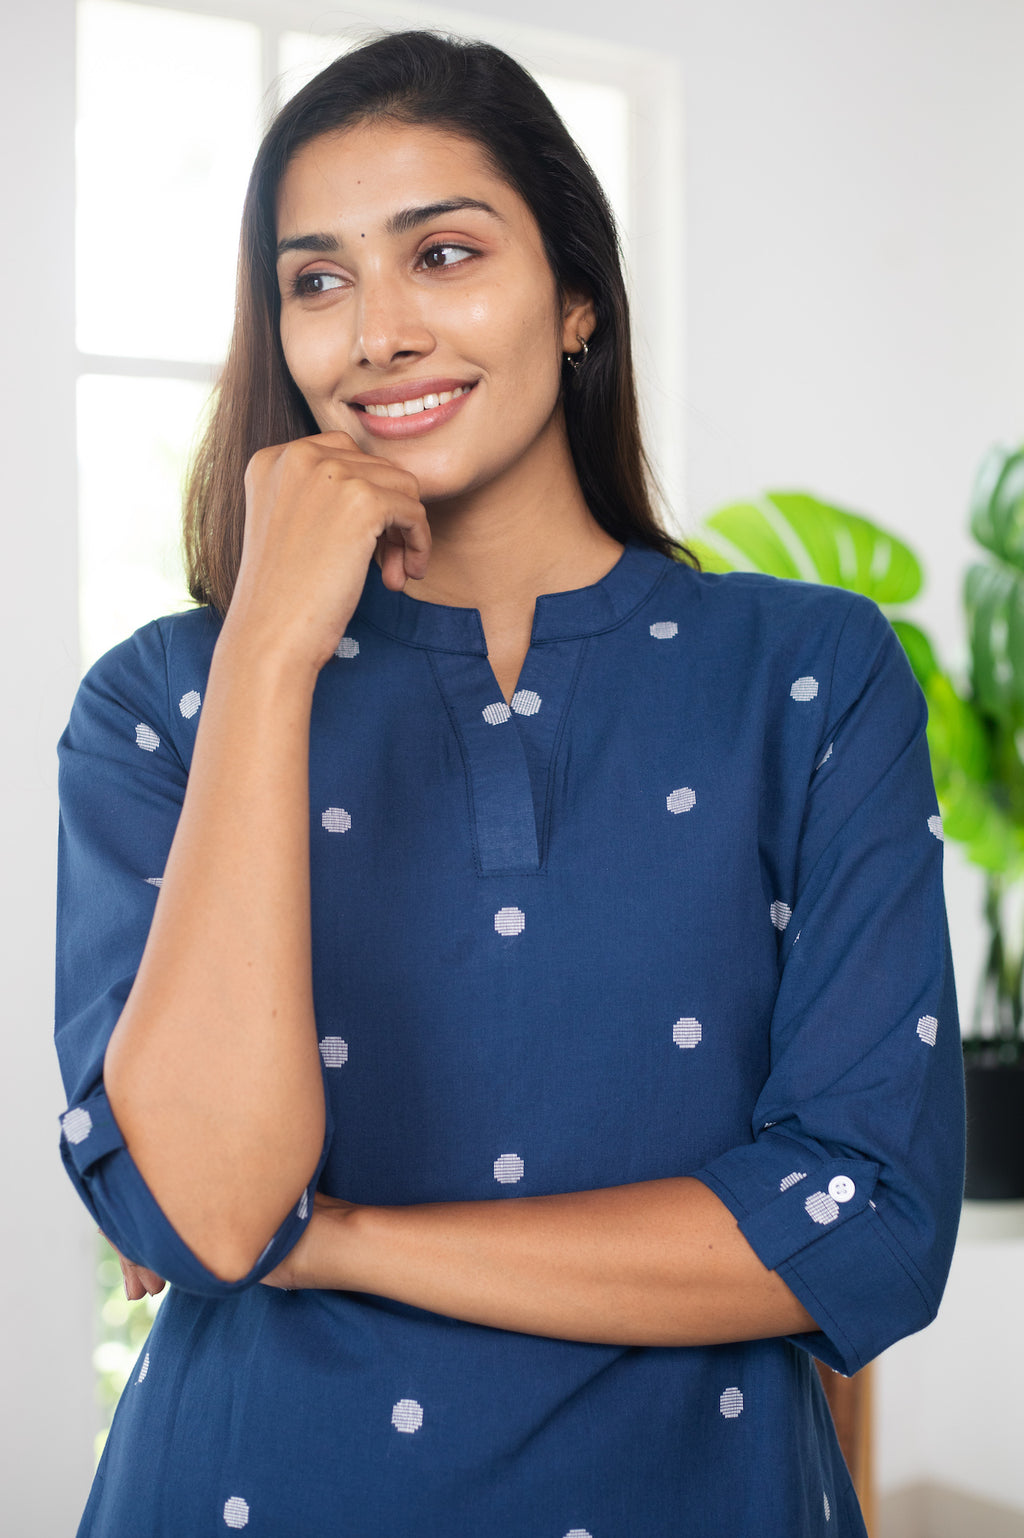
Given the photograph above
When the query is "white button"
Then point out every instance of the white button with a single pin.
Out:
(841, 1188)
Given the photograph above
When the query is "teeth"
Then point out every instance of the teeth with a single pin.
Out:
(423, 403)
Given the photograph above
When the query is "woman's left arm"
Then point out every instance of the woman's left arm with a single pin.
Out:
(657, 1263)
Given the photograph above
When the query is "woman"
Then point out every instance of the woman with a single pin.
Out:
(504, 981)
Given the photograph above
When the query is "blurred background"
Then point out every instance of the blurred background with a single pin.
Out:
(821, 209)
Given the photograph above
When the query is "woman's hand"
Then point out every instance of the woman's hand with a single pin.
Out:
(317, 511)
(138, 1280)
(318, 1258)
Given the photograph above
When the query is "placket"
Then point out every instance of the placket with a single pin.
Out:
(508, 752)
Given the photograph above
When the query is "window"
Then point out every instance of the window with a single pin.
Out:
(170, 105)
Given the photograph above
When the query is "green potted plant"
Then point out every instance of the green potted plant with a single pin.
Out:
(975, 735)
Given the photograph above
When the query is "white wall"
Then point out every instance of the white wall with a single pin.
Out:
(46, 1409)
(854, 245)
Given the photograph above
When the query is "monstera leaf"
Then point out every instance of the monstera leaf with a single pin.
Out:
(792, 534)
(997, 505)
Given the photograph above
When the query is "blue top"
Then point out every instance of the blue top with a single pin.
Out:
(678, 912)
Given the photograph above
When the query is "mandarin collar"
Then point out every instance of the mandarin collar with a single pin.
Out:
(582, 611)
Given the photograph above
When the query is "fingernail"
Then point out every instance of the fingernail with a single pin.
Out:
(126, 1292)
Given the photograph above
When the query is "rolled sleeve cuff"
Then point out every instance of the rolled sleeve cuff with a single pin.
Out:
(109, 1183)
(816, 1224)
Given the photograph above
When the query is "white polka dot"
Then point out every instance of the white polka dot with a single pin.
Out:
(935, 827)
(792, 1179)
(731, 1403)
(525, 702)
(781, 914)
(494, 715)
(820, 1206)
(334, 1051)
(828, 754)
(236, 1512)
(687, 1032)
(348, 646)
(144, 1368)
(510, 921)
(407, 1415)
(681, 800)
(508, 1169)
(146, 738)
(828, 1508)
(664, 629)
(77, 1124)
(336, 820)
(154, 880)
(577, 1532)
(189, 703)
(302, 1210)
(805, 688)
(927, 1029)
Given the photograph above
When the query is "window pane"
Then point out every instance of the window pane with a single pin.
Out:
(597, 116)
(133, 440)
(168, 105)
(301, 55)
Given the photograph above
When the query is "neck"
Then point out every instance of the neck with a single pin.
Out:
(497, 549)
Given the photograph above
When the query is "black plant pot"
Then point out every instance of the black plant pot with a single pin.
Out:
(995, 1127)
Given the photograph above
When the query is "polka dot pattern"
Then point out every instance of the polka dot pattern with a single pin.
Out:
(348, 646)
(792, 1179)
(236, 1512)
(927, 1029)
(682, 800)
(77, 1124)
(334, 1051)
(935, 828)
(525, 702)
(154, 880)
(687, 1032)
(336, 820)
(731, 1404)
(828, 1508)
(664, 629)
(144, 1368)
(577, 1532)
(781, 914)
(509, 1169)
(821, 1207)
(189, 704)
(510, 921)
(827, 755)
(407, 1415)
(302, 1210)
(146, 738)
(804, 689)
(495, 714)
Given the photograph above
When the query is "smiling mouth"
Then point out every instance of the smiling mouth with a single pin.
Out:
(412, 408)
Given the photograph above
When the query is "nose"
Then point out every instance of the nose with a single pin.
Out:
(390, 327)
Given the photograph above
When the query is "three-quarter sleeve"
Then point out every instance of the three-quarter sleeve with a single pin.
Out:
(851, 1187)
(123, 771)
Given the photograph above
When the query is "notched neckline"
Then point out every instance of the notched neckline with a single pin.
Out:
(563, 616)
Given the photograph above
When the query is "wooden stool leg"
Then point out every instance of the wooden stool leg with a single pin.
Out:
(850, 1400)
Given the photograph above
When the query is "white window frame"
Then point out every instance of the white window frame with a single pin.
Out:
(654, 240)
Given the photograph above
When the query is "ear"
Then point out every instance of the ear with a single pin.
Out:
(578, 320)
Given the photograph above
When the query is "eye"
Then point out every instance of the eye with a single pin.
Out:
(437, 258)
(308, 284)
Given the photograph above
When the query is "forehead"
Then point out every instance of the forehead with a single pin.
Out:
(363, 174)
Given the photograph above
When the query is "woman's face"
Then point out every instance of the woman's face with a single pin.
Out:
(409, 272)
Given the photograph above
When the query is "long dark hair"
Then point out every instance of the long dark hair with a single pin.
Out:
(475, 90)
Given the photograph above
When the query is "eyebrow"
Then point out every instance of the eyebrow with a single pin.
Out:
(398, 224)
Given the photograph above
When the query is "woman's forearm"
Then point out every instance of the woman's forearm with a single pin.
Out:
(212, 1071)
(656, 1263)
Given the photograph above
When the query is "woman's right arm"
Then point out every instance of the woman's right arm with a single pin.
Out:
(212, 1071)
